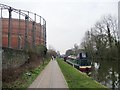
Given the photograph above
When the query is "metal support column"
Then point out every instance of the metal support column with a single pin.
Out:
(1, 36)
(44, 30)
(26, 32)
(45, 33)
(40, 30)
(33, 35)
(9, 27)
(28, 26)
(35, 29)
(1, 12)
(19, 35)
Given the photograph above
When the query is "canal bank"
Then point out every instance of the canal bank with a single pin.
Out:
(76, 79)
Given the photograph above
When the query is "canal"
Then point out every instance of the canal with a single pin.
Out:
(106, 73)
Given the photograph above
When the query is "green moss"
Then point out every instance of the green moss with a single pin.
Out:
(76, 79)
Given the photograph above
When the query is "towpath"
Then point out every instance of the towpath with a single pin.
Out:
(50, 77)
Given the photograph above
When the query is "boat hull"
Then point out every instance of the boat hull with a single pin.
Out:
(85, 68)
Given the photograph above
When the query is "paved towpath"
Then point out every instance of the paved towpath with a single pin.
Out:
(50, 77)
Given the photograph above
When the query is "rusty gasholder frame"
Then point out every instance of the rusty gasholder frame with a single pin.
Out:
(27, 19)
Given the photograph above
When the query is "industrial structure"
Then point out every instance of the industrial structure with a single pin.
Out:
(21, 28)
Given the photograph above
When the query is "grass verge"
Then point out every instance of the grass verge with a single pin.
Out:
(26, 79)
(76, 79)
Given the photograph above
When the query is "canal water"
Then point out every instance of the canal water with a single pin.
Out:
(106, 73)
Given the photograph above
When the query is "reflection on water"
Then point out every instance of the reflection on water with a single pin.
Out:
(106, 73)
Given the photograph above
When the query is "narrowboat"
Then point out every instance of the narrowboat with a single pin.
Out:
(84, 62)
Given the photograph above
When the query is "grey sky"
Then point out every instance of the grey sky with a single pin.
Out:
(67, 20)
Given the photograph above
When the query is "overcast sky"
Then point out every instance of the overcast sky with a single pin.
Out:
(67, 20)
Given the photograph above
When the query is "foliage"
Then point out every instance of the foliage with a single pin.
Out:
(39, 51)
(69, 52)
(52, 53)
(101, 42)
(76, 79)
(26, 78)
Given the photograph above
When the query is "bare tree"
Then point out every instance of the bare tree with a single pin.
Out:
(100, 38)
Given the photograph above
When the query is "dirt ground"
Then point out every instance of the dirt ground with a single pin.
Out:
(11, 74)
